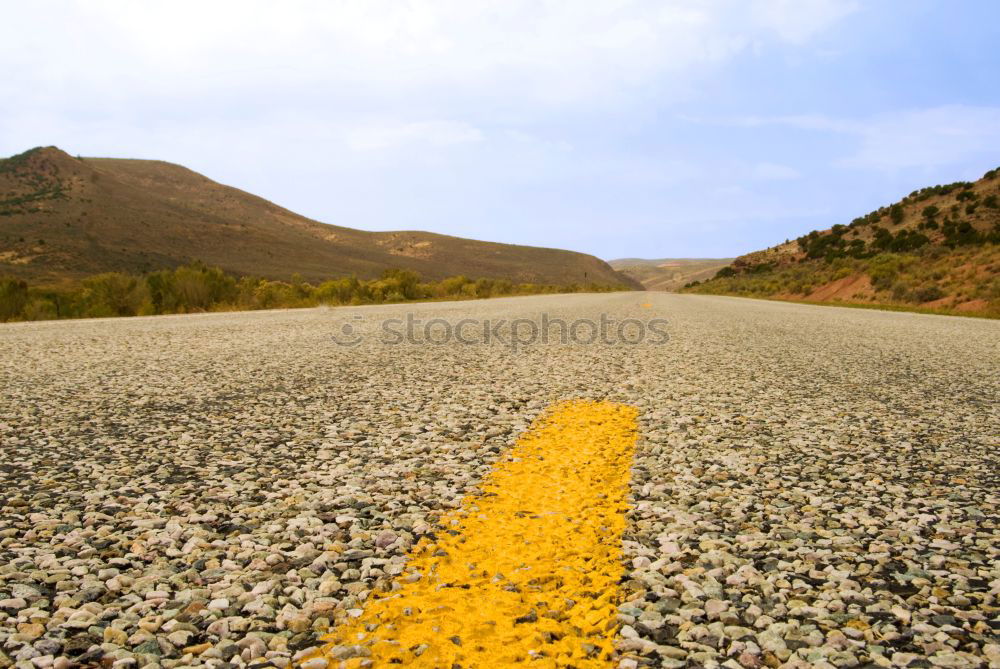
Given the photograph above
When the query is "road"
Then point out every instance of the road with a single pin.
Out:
(810, 486)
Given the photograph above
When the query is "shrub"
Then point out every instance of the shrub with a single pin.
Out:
(883, 270)
(199, 288)
(273, 294)
(883, 238)
(908, 240)
(13, 298)
(927, 294)
(453, 285)
(114, 294)
(726, 271)
(338, 291)
(189, 288)
(401, 282)
(961, 233)
(40, 309)
(896, 214)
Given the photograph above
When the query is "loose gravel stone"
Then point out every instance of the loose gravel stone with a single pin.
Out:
(813, 486)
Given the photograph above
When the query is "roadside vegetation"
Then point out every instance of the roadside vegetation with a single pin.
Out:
(933, 279)
(938, 249)
(197, 288)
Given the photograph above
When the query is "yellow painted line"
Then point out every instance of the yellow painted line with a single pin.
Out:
(526, 571)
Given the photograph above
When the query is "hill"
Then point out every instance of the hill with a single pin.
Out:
(938, 248)
(669, 274)
(67, 218)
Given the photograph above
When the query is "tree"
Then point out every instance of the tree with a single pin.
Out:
(13, 297)
(114, 294)
(402, 282)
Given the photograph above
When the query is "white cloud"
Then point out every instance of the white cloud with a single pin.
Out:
(911, 138)
(376, 137)
(560, 51)
(507, 119)
(927, 138)
(795, 21)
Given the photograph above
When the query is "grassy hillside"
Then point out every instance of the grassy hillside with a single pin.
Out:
(68, 218)
(936, 249)
(669, 274)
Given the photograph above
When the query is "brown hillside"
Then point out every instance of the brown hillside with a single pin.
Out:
(931, 212)
(937, 249)
(65, 218)
(669, 274)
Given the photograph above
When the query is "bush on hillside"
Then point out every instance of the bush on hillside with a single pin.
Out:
(927, 294)
(725, 272)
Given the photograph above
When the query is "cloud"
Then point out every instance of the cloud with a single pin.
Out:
(798, 121)
(911, 138)
(927, 138)
(519, 120)
(557, 52)
(376, 137)
(796, 22)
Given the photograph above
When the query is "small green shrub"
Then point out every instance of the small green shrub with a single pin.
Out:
(726, 271)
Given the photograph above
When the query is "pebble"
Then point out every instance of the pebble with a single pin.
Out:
(814, 486)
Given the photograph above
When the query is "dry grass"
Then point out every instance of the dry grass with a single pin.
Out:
(64, 217)
(964, 281)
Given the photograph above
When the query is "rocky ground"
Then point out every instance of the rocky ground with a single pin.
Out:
(814, 486)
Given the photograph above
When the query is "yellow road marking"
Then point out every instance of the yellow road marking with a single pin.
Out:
(526, 571)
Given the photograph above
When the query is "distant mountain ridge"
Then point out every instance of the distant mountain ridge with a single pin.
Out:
(66, 218)
(669, 274)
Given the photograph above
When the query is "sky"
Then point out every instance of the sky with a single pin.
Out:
(621, 128)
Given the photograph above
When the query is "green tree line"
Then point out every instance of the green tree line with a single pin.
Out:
(197, 288)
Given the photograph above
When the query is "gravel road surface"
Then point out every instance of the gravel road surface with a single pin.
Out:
(813, 486)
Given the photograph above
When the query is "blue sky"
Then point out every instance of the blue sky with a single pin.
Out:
(615, 127)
